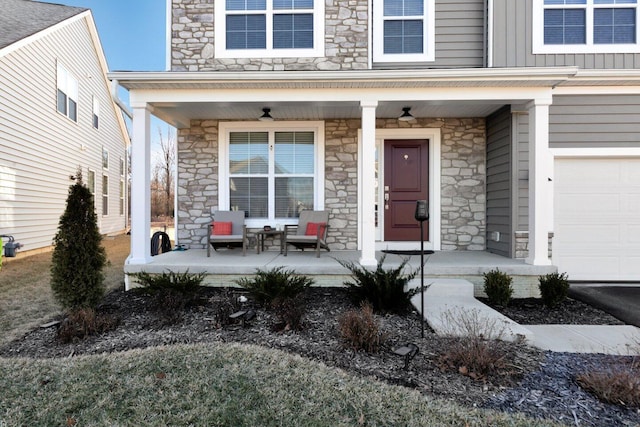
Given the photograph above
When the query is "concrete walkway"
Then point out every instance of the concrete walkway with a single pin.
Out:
(451, 309)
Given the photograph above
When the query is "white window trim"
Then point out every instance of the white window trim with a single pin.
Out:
(105, 196)
(225, 128)
(68, 84)
(104, 151)
(537, 36)
(429, 32)
(122, 190)
(95, 112)
(93, 190)
(221, 51)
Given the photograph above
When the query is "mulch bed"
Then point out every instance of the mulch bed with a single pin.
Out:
(533, 382)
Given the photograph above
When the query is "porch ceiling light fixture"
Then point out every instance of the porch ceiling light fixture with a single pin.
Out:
(266, 116)
(406, 115)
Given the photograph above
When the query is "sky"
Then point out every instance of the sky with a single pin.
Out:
(133, 38)
(132, 32)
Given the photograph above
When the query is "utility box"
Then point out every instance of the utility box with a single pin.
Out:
(11, 247)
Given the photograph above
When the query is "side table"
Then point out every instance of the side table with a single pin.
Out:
(262, 234)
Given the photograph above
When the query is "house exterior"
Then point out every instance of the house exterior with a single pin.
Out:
(523, 131)
(56, 115)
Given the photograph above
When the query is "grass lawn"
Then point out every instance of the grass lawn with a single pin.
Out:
(26, 299)
(215, 385)
(206, 384)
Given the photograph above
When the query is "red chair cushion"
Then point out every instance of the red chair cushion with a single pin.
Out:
(222, 228)
(314, 227)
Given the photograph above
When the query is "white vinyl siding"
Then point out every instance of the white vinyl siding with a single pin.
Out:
(585, 26)
(404, 31)
(269, 28)
(39, 147)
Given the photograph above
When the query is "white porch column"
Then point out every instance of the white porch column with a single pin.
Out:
(140, 186)
(540, 185)
(367, 196)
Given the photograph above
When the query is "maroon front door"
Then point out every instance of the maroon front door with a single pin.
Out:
(406, 179)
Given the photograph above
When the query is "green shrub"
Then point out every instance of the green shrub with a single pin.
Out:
(497, 286)
(78, 257)
(267, 286)
(170, 292)
(384, 289)
(359, 329)
(554, 288)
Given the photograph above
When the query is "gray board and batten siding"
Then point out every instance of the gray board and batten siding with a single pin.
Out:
(499, 182)
(579, 121)
(512, 43)
(459, 36)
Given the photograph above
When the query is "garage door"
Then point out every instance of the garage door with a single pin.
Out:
(597, 218)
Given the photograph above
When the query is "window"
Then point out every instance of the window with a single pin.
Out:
(404, 31)
(105, 195)
(105, 158)
(121, 197)
(91, 181)
(585, 26)
(269, 28)
(96, 112)
(67, 94)
(272, 173)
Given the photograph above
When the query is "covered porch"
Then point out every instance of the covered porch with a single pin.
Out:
(349, 117)
(226, 265)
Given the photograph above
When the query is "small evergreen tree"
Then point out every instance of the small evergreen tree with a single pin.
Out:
(78, 257)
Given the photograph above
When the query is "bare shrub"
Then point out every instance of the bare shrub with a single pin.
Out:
(225, 304)
(290, 312)
(84, 322)
(619, 384)
(474, 352)
(360, 330)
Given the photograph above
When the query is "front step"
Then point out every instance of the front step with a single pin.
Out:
(451, 309)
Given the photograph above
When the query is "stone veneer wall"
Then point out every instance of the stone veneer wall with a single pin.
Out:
(462, 186)
(522, 244)
(192, 40)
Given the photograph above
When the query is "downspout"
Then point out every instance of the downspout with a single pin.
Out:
(489, 32)
(118, 101)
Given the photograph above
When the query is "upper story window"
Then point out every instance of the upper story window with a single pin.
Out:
(67, 97)
(96, 112)
(585, 26)
(269, 28)
(404, 31)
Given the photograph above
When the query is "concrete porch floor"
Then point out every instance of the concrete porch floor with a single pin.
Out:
(224, 266)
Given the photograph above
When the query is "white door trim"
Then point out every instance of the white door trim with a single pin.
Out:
(435, 141)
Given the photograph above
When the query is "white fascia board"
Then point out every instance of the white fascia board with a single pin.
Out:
(599, 152)
(344, 95)
(47, 31)
(597, 90)
(308, 77)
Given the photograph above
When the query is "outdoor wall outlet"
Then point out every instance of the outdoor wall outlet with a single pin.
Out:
(494, 236)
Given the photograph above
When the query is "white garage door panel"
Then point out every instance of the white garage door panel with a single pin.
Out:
(597, 218)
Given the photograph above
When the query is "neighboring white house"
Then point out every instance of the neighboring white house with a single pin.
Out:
(524, 124)
(56, 114)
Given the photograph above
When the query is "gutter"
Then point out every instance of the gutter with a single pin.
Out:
(118, 101)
